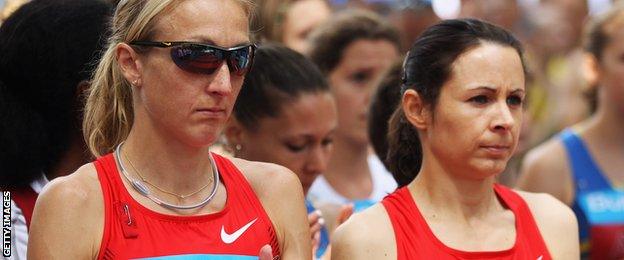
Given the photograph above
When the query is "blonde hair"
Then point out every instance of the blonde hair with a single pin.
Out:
(109, 115)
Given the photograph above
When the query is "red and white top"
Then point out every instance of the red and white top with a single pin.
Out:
(415, 240)
(134, 231)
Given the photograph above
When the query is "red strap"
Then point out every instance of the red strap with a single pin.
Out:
(25, 199)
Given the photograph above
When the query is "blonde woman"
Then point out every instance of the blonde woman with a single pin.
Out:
(160, 96)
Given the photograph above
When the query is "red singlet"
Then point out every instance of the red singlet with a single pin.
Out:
(415, 240)
(134, 231)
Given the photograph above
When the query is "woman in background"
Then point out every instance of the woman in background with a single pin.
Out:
(286, 115)
(41, 86)
(354, 49)
(582, 166)
(289, 22)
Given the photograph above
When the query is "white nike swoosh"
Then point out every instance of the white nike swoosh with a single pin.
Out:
(540, 257)
(230, 238)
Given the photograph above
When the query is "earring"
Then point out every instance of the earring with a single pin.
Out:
(135, 83)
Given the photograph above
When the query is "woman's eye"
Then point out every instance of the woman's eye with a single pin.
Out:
(359, 77)
(481, 99)
(514, 100)
(295, 148)
(327, 142)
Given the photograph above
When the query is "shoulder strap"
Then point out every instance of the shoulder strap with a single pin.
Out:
(242, 191)
(526, 227)
(405, 221)
(587, 175)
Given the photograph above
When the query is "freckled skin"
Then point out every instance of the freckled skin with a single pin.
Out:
(170, 96)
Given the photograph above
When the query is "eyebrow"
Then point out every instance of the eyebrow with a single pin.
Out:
(492, 89)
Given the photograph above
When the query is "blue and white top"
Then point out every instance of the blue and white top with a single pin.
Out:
(599, 207)
(383, 184)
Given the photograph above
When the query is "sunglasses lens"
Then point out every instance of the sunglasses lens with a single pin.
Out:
(240, 60)
(197, 58)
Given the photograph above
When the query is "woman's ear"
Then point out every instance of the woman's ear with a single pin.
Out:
(233, 133)
(591, 70)
(129, 63)
(415, 109)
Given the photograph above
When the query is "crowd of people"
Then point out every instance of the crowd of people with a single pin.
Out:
(312, 129)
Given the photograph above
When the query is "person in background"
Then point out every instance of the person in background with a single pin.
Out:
(285, 114)
(7, 7)
(160, 96)
(354, 50)
(582, 166)
(289, 22)
(48, 50)
(412, 17)
(384, 102)
(462, 96)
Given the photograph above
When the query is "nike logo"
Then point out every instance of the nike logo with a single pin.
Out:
(540, 257)
(230, 238)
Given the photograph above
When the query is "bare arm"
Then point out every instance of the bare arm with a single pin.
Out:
(367, 235)
(557, 224)
(68, 218)
(545, 169)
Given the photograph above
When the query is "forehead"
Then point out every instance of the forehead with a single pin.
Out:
(489, 64)
(310, 113)
(615, 28)
(307, 13)
(369, 53)
(219, 22)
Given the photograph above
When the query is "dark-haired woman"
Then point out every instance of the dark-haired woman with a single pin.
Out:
(354, 49)
(286, 115)
(463, 91)
(41, 84)
(582, 166)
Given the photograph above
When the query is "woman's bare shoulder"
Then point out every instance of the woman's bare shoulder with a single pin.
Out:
(75, 203)
(545, 169)
(78, 188)
(365, 235)
(267, 178)
(556, 222)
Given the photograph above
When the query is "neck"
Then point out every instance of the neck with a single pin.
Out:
(445, 191)
(348, 160)
(166, 162)
(348, 172)
(607, 122)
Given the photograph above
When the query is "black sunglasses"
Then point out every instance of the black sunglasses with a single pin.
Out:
(205, 58)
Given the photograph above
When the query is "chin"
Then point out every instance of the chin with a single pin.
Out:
(200, 140)
(487, 168)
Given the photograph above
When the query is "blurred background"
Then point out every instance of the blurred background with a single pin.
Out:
(551, 30)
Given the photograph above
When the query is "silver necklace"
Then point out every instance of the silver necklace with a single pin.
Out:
(140, 187)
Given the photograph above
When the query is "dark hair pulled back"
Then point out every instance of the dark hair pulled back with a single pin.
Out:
(279, 75)
(427, 67)
(47, 48)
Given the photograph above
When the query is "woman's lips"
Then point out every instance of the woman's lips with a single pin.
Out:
(216, 113)
(497, 150)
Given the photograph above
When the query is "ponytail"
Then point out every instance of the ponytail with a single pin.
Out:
(108, 114)
(404, 150)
